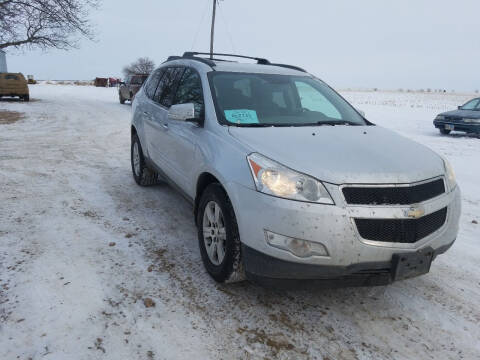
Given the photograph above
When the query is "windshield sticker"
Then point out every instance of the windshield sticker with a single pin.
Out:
(242, 116)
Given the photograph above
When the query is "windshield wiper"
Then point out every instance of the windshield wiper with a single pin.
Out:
(333, 123)
(318, 123)
(251, 125)
(328, 123)
(263, 125)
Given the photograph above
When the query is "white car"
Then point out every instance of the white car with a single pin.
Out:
(288, 181)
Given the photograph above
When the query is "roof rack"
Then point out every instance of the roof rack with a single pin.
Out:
(192, 55)
(293, 67)
(261, 61)
(200, 59)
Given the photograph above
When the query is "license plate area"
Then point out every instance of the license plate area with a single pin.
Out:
(449, 127)
(409, 265)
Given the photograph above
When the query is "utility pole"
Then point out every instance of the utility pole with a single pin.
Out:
(212, 31)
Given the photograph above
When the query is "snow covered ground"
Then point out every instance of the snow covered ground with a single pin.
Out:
(82, 248)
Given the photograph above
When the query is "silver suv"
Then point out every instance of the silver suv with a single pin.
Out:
(288, 181)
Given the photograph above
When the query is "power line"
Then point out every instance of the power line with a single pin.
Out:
(224, 18)
(200, 24)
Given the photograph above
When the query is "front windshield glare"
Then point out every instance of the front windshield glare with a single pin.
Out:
(279, 100)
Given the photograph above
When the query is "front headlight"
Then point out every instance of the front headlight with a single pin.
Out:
(440, 117)
(451, 180)
(275, 179)
(472, 120)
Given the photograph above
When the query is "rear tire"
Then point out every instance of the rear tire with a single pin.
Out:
(26, 98)
(444, 131)
(217, 228)
(122, 100)
(142, 174)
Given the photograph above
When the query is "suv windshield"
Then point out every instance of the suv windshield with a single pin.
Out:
(471, 105)
(278, 100)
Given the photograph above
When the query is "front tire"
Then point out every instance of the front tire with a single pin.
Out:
(218, 236)
(444, 131)
(142, 174)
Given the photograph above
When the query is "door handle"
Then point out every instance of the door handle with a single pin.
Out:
(165, 125)
(147, 114)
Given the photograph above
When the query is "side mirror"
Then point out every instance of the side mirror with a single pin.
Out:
(122, 82)
(459, 108)
(182, 112)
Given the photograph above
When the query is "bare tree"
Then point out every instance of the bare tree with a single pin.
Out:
(143, 65)
(45, 23)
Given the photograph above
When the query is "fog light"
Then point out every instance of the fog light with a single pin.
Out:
(298, 247)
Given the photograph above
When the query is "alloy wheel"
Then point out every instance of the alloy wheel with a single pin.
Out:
(136, 159)
(214, 233)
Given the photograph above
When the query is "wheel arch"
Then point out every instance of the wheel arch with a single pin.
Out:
(204, 180)
(133, 130)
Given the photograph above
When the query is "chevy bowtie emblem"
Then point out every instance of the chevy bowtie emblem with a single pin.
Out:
(415, 212)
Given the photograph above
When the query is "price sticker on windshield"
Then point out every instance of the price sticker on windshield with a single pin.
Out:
(242, 116)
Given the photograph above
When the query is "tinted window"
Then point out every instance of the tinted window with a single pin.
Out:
(137, 80)
(161, 85)
(166, 87)
(190, 90)
(152, 83)
(11, 77)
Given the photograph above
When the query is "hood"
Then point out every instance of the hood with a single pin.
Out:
(470, 114)
(344, 154)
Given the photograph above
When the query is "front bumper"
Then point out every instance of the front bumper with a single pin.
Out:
(458, 126)
(334, 227)
(272, 272)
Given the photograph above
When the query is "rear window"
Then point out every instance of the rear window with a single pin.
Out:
(12, 77)
(138, 80)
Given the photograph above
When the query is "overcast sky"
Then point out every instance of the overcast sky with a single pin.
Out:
(367, 43)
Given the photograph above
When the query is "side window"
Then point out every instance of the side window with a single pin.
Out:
(313, 100)
(190, 90)
(152, 83)
(166, 87)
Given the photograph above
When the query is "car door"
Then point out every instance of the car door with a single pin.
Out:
(150, 124)
(183, 134)
(159, 141)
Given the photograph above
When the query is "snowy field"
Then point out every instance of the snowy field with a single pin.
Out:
(83, 250)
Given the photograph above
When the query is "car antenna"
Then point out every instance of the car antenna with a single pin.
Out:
(212, 30)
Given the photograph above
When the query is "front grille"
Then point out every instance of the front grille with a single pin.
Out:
(397, 195)
(453, 118)
(401, 230)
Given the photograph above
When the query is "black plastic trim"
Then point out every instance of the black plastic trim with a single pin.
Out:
(269, 271)
(192, 55)
(261, 61)
(199, 59)
(169, 181)
(293, 67)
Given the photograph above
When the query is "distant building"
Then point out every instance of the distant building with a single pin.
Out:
(3, 61)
